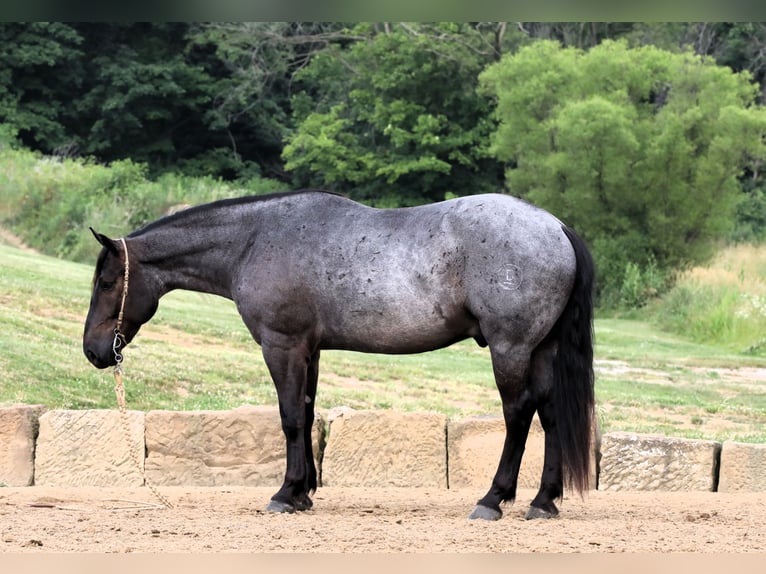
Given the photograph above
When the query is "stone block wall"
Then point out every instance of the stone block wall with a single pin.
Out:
(245, 446)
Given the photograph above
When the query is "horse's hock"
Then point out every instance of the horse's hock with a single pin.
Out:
(245, 446)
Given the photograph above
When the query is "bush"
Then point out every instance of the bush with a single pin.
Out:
(751, 215)
(624, 283)
(640, 285)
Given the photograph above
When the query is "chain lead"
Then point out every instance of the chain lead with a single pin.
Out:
(116, 346)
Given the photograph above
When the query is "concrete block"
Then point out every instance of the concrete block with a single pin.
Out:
(240, 447)
(89, 448)
(474, 446)
(743, 467)
(632, 461)
(18, 434)
(386, 448)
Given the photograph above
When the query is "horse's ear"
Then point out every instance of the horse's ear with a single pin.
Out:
(104, 240)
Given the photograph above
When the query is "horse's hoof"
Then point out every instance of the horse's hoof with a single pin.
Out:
(279, 507)
(303, 502)
(534, 513)
(485, 513)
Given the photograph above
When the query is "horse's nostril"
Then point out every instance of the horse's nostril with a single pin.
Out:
(91, 356)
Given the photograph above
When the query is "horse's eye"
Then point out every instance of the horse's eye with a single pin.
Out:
(106, 285)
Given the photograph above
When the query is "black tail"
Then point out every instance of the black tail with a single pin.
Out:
(573, 371)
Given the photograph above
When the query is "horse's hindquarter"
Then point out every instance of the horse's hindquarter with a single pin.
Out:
(522, 267)
(407, 280)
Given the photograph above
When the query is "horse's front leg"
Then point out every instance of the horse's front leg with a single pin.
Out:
(289, 366)
(312, 378)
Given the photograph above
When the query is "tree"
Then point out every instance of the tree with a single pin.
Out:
(39, 62)
(171, 95)
(140, 94)
(394, 118)
(253, 64)
(575, 34)
(640, 149)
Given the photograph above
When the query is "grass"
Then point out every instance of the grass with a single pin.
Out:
(653, 381)
(196, 354)
(724, 302)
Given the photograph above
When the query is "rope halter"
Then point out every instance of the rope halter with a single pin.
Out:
(117, 343)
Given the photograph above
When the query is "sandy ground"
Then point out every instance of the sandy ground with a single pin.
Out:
(392, 520)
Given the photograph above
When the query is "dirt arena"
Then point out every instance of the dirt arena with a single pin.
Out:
(392, 520)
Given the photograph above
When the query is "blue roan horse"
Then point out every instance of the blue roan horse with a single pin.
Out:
(312, 270)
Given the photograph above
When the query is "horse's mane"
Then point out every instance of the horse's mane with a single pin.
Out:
(233, 201)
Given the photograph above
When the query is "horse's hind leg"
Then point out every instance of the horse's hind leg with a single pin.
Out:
(511, 366)
(551, 483)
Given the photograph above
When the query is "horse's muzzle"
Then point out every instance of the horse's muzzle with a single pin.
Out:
(100, 360)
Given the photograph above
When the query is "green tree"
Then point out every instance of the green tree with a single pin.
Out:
(165, 94)
(640, 149)
(140, 93)
(38, 63)
(253, 64)
(394, 118)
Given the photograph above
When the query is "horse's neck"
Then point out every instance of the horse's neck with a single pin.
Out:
(179, 259)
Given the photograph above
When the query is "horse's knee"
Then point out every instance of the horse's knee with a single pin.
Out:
(293, 425)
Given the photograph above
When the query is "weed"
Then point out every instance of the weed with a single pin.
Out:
(723, 304)
(50, 202)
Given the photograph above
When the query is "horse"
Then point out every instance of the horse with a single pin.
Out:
(312, 270)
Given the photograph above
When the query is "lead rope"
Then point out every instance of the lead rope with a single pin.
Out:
(119, 386)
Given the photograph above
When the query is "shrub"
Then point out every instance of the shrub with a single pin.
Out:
(724, 303)
(640, 285)
(50, 202)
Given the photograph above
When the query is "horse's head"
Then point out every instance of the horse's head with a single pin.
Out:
(112, 294)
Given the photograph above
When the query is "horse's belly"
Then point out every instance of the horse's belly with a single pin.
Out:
(397, 332)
